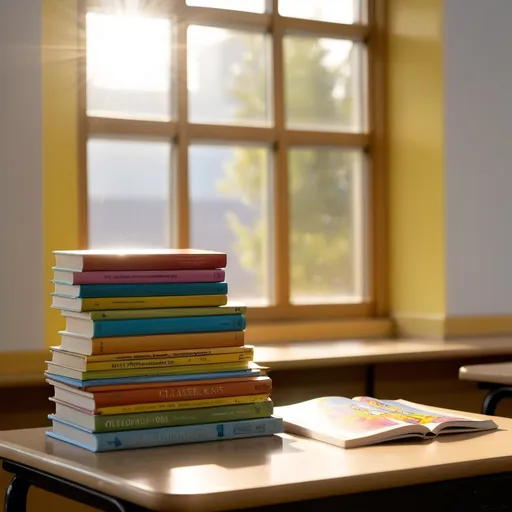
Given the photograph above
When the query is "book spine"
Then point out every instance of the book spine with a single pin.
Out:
(148, 276)
(179, 325)
(179, 418)
(121, 314)
(148, 372)
(167, 341)
(184, 404)
(164, 362)
(169, 354)
(88, 291)
(183, 392)
(154, 262)
(188, 434)
(100, 303)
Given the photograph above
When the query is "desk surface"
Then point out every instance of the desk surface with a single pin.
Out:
(260, 471)
(498, 373)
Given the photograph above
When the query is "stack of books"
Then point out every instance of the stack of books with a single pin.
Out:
(153, 353)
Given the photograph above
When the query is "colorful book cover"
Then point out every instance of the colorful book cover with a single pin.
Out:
(143, 259)
(140, 276)
(111, 303)
(147, 326)
(146, 438)
(65, 371)
(152, 379)
(230, 308)
(88, 291)
(172, 418)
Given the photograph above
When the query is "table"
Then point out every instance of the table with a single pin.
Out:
(497, 378)
(268, 472)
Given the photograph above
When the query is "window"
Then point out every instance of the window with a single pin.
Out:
(245, 126)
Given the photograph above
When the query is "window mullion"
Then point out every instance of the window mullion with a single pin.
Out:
(180, 203)
(281, 250)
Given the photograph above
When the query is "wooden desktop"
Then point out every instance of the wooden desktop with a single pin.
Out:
(263, 472)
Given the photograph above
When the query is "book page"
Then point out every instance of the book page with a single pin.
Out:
(344, 418)
(414, 414)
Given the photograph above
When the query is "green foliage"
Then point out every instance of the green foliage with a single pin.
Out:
(319, 179)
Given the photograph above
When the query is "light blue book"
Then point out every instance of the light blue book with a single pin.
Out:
(89, 291)
(250, 372)
(147, 438)
(165, 325)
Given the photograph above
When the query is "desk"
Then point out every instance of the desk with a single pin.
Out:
(236, 475)
(497, 378)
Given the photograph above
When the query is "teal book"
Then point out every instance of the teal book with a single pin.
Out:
(148, 326)
(93, 291)
(148, 438)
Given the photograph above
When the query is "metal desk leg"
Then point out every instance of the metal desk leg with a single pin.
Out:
(494, 397)
(25, 477)
(16, 495)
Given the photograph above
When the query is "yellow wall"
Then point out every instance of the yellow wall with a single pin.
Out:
(60, 162)
(415, 166)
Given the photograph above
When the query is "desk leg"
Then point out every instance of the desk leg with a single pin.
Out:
(494, 397)
(16, 495)
(25, 477)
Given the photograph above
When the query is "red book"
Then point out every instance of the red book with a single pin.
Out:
(143, 259)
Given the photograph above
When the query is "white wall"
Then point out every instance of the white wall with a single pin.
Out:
(21, 254)
(478, 149)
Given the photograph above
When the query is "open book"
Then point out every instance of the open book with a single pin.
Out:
(349, 423)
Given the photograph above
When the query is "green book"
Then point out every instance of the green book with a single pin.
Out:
(119, 314)
(175, 418)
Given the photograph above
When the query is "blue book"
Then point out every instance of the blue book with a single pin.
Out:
(146, 326)
(249, 372)
(90, 291)
(147, 438)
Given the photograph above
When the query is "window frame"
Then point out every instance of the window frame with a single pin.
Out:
(279, 139)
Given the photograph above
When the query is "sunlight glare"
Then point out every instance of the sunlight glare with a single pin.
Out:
(128, 52)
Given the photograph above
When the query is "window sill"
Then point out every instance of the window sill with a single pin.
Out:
(21, 369)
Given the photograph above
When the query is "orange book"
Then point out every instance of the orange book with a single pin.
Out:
(154, 342)
(99, 398)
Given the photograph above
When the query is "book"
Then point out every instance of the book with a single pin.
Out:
(83, 365)
(108, 303)
(138, 276)
(179, 405)
(258, 371)
(98, 397)
(230, 308)
(361, 421)
(146, 438)
(143, 259)
(83, 362)
(154, 342)
(93, 291)
(71, 373)
(173, 418)
(146, 326)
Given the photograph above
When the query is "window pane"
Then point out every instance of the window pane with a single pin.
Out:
(128, 66)
(327, 192)
(227, 76)
(324, 84)
(229, 212)
(335, 11)
(128, 193)
(235, 5)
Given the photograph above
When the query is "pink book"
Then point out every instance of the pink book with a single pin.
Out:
(138, 276)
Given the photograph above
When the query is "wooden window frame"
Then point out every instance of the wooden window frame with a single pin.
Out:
(180, 132)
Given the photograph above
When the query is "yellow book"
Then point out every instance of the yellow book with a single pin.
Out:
(71, 373)
(107, 303)
(68, 358)
(84, 364)
(184, 404)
